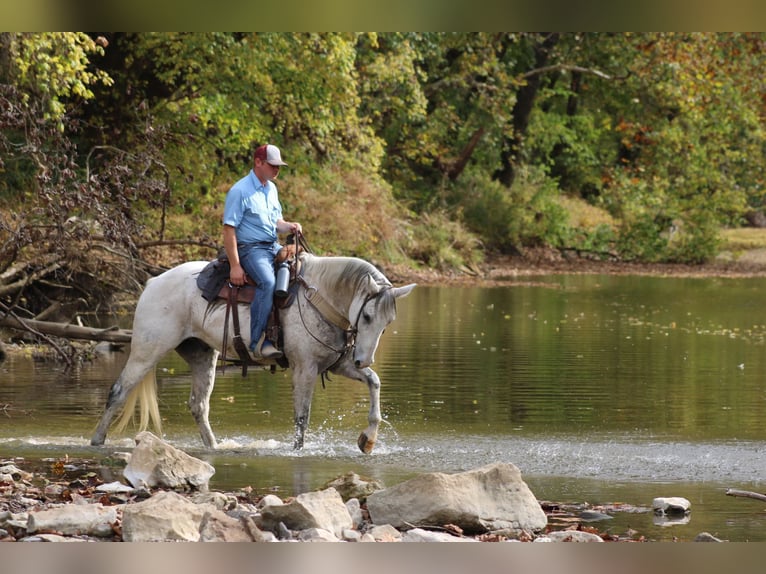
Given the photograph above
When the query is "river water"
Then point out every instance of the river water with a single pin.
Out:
(603, 390)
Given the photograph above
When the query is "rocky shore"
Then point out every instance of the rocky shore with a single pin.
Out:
(164, 497)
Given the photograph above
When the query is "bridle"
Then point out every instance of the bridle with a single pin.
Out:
(333, 317)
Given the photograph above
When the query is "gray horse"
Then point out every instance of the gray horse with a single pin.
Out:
(342, 306)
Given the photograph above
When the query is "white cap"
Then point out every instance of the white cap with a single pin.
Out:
(270, 154)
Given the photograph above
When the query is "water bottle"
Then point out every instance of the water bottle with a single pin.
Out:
(283, 280)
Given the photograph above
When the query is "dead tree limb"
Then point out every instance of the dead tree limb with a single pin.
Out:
(66, 330)
(745, 494)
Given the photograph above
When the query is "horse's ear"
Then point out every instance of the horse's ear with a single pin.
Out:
(403, 291)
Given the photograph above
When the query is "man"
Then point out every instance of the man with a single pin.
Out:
(252, 218)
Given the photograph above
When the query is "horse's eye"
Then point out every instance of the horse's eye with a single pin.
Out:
(366, 317)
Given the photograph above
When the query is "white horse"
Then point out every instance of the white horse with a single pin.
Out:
(342, 306)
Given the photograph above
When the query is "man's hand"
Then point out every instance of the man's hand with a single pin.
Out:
(237, 275)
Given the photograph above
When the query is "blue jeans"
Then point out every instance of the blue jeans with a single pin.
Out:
(258, 262)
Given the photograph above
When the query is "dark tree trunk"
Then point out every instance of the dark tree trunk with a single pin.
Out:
(522, 110)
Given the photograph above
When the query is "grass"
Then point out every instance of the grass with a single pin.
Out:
(743, 239)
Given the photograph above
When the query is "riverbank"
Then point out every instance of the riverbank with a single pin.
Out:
(508, 269)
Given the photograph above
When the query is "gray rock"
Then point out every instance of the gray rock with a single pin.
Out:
(269, 500)
(10, 473)
(320, 509)
(706, 537)
(317, 535)
(573, 536)
(355, 510)
(114, 488)
(493, 497)
(351, 485)
(671, 505)
(51, 538)
(421, 535)
(351, 535)
(155, 463)
(166, 516)
(384, 533)
(219, 500)
(218, 527)
(75, 519)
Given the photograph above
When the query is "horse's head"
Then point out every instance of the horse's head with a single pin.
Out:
(373, 308)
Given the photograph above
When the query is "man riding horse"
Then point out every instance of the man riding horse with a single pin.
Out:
(252, 218)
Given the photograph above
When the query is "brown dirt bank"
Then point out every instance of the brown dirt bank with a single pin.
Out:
(508, 269)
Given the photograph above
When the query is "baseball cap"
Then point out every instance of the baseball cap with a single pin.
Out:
(270, 154)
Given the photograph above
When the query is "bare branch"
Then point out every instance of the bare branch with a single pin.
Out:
(566, 68)
(746, 494)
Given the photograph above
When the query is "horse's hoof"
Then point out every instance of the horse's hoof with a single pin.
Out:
(365, 445)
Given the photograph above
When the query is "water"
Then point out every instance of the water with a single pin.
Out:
(601, 389)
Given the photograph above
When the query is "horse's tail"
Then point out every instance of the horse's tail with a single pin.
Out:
(145, 394)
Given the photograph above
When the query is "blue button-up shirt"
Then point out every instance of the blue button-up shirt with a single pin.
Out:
(253, 209)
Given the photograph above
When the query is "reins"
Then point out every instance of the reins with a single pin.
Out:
(333, 317)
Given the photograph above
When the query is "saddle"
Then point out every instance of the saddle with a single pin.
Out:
(213, 282)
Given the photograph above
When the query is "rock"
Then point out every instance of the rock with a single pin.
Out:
(256, 533)
(166, 516)
(351, 485)
(421, 535)
(706, 537)
(351, 535)
(317, 535)
(115, 488)
(269, 500)
(51, 538)
(671, 505)
(219, 500)
(573, 536)
(594, 516)
(11, 473)
(72, 520)
(493, 497)
(355, 511)
(218, 527)
(320, 509)
(155, 463)
(384, 533)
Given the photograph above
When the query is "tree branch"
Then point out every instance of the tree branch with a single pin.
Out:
(566, 68)
(745, 494)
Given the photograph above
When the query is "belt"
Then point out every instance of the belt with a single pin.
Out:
(256, 244)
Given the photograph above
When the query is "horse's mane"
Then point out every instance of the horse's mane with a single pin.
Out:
(345, 274)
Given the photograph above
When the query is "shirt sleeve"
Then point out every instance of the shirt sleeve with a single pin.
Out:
(233, 209)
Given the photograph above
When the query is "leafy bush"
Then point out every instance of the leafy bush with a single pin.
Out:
(525, 214)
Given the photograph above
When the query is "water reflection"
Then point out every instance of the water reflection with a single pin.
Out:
(578, 380)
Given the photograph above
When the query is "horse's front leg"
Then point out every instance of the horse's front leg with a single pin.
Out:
(368, 436)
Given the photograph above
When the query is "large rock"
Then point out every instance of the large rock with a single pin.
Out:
(323, 509)
(493, 497)
(219, 527)
(671, 505)
(155, 463)
(166, 516)
(72, 520)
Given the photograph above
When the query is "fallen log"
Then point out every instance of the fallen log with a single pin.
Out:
(67, 331)
(746, 494)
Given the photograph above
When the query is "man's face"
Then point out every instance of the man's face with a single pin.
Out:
(265, 171)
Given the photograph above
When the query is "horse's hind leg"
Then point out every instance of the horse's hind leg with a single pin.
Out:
(132, 374)
(201, 358)
(303, 391)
